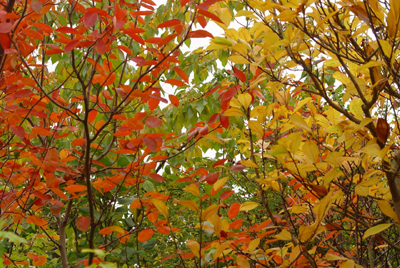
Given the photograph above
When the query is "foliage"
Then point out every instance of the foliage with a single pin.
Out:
(102, 167)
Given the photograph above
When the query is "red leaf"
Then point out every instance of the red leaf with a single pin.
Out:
(210, 15)
(54, 51)
(219, 162)
(239, 74)
(5, 27)
(55, 209)
(153, 122)
(92, 116)
(67, 30)
(145, 235)
(224, 120)
(237, 167)
(382, 130)
(210, 178)
(182, 74)
(226, 194)
(233, 210)
(202, 21)
(71, 45)
(125, 49)
(168, 257)
(175, 82)
(200, 34)
(150, 143)
(139, 60)
(156, 177)
(169, 23)
(89, 19)
(174, 100)
(19, 131)
(83, 223)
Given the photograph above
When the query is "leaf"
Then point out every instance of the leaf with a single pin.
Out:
(161, 207)
(387, 209)
(37, 260)
(169, 23)
(382, 130)
(221, 249)
(41, 131)
(218, 185)
(89, 19)
(245, 100)
(249, 163)
(83, 223)
(156, 177)
(153, 122)
(78, 142)
(19, 131)
(193, 189)
(175, 82)
(310, 149)
(92, 116)
(253, 244)
(376, 229)
(299, 122)
(36, 220)
(5, 27)
(181, 74)
(238, 59)
(233, 210)
(174, 100)
(246, 206)
(194, 247)
(190, 205)
(208, 212)
(145, 235)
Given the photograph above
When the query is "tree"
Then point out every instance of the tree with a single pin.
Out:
(302, 119)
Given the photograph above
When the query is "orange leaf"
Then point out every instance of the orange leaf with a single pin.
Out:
(78, 142)
(75, 188)
(145, 235)
(174, 100)
(36, 220)
(51, 160)
(234, 210)
(175, 82)
(92, 116)
(182, 74)
(41, 131)
(37, 260)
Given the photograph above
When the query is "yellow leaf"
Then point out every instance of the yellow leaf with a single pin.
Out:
(233, 112)
(192, 188)
(256, 127)
(245, 100)
(299, 122)
(212, 137)
(332, 257)
(117, 229)
(253, 245)
(287, 15)
(387, 209)
(220, 249)
(246, 13)
(221, 41)
(190, 205)
(355, 108)
(249, 163)
(301, 104)
(208, 212)
(298, 209)
(295, 253)
(376, 229)
(161, 207)
(310, 149)
(225, 16)
(284, 235)
(242, 262)
(248, 206)
(219, 183)
(386, 47)
(194, 247)
(238, 59)
(347, 264)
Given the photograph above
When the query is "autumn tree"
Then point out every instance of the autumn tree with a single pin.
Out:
(284, 157)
